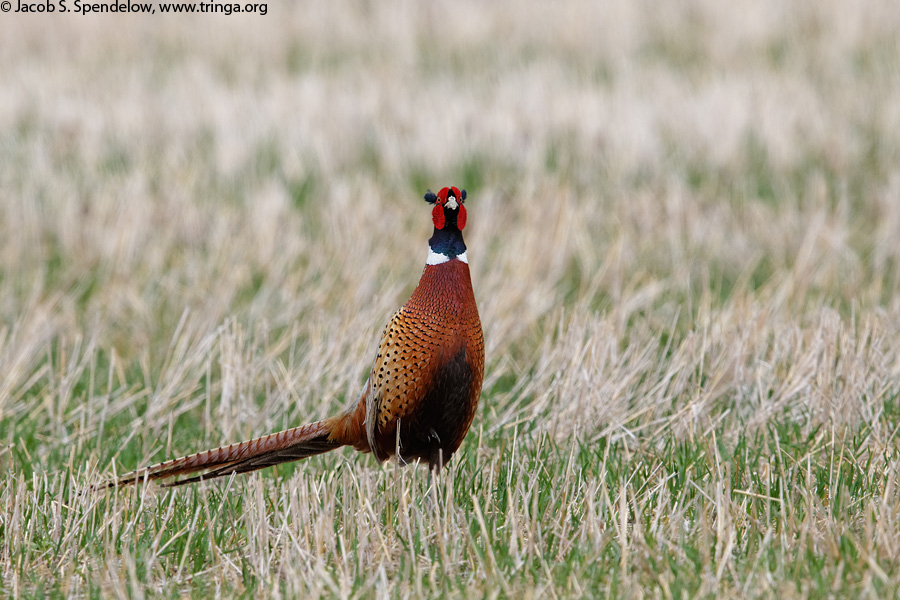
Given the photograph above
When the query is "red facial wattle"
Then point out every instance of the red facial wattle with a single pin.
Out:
(437, 215)
(440, 200)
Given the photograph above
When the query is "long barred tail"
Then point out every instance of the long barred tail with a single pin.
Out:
(284, 446)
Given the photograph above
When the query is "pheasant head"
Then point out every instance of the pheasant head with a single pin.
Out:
(449, 217)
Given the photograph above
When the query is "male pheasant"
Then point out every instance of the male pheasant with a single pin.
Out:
(422, 391)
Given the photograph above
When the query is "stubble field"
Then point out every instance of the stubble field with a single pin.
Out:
(684, 235)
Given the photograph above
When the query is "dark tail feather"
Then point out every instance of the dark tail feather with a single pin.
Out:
(273, 449)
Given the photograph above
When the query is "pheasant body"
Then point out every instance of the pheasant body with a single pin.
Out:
(428, 371)
(423, 388)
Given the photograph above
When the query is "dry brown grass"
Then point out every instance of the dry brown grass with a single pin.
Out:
(684, 240)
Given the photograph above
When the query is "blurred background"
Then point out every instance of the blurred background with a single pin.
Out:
(628, 163)
(683, 218)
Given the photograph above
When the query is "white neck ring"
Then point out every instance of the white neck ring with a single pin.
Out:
(436, 258)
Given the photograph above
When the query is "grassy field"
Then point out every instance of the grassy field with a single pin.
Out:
(684, 234)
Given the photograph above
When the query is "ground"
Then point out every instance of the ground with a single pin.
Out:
(683, 234)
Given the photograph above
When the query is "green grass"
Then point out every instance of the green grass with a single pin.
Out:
(683, 241)
(691, 517)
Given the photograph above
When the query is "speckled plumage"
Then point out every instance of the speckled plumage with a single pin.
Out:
(425, 380)
(418, 373)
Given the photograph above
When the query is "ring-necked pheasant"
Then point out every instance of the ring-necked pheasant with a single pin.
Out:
(423, 388)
